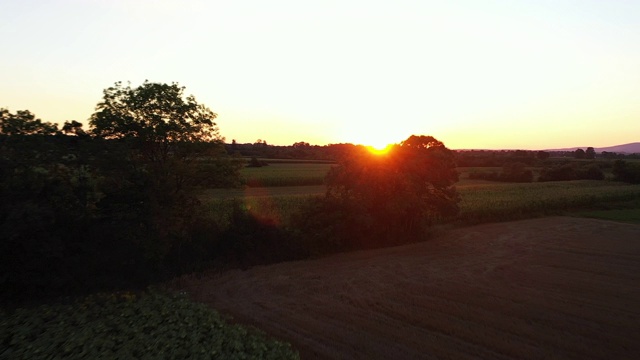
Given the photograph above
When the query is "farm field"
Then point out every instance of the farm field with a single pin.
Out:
(557, 287)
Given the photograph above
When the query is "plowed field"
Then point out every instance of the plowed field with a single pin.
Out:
(563, 288)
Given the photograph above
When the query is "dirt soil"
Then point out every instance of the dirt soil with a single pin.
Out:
(549, 288)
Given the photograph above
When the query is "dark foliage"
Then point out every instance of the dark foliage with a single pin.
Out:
(572, 171)
(82, 212)
(511, 172)
(251, 241)
(542, 155)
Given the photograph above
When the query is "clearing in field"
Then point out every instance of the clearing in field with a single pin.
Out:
(558, 287)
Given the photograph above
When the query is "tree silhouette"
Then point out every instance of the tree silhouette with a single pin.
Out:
(171, 144)
(375, 200)
(23, 122)
(166, 130)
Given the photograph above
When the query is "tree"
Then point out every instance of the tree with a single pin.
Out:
(172, 144)
(579, 154)
(157, 115)
(73, 127)
(380, 200)
(23, 122)
(166, 130)
(590, 153)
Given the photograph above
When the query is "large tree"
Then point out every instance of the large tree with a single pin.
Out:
(166, 130)
(377, 200)
(170, 144)
(158, 116)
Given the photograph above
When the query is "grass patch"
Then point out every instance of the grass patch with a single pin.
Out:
(126, 326)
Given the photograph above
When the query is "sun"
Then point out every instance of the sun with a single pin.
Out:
(379, 150)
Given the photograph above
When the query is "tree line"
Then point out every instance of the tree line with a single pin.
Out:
(116, 204)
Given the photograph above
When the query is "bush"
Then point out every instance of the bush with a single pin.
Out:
(129, 326)
(626, 171)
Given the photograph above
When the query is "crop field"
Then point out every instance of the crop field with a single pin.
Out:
(486, 201)
(547, 288)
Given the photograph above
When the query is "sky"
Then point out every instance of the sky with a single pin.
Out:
(503, 74)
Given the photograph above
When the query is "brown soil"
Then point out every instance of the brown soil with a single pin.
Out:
(552, 288)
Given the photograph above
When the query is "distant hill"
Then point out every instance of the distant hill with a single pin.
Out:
(631, 148)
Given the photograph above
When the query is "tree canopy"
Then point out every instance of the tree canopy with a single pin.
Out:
(153, 112)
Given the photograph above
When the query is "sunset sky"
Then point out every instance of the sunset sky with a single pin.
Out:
(475, 74)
